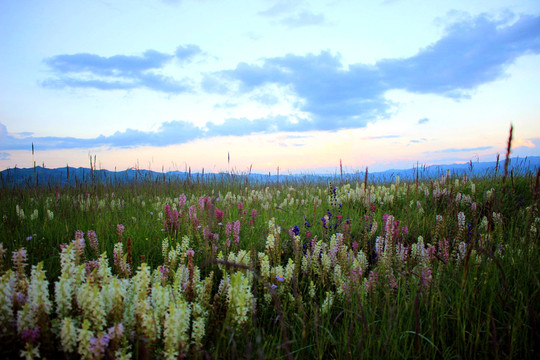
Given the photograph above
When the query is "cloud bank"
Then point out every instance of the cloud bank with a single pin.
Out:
(471, 53)
(333, 95)
(119, 72)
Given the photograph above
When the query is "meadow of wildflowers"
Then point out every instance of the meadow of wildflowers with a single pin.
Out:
(445, 268)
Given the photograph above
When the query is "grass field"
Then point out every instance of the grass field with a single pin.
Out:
(446, 268)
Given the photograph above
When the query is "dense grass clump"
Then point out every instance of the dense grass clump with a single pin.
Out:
(444, 268)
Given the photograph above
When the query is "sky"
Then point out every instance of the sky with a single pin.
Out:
(297, 85)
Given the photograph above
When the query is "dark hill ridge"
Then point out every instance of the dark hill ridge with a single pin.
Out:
(74, 176)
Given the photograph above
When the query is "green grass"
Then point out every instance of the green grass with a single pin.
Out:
(480, 304)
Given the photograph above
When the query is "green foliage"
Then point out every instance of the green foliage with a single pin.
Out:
(446, 268)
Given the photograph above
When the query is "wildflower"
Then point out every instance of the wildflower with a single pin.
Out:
(236, 231)
(228, 230)
(193, 215)
(84, 339)
(120, 261)
(323, 219)
(240, 206)
(240, 298)
(405, 230)
(181, 201)
(219, 214)
(30, 335)
(253, 215)
(461, 220)
(164, 273)
(328, 302)
(30, 352)
(280, 278)
(19, 211)
(93, 241)
(28, 238)
(68, 335)
(371, 283)
(91, 306)
(7, 290)
(177, 320)
(98, 345)
(425, 278)
(312, 289)
(19, 261)
(79, 235)
(207, 234)
(198, 331)
(444, 250)
(38, 306)
(116, 331)
(91, 265)
(392, 282)
(120, 230)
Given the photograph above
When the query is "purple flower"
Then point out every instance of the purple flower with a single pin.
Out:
(104, 340)
(91, 265)
(219, 214)
(279, 278)
(405, 230)
(120, 229)
(228, 230)
(92, 239)
(30, 335)
(164, 272)
(236, 231)
(116, 331)
(182, 201)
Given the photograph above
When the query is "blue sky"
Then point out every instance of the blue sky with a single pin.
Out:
(298, 85)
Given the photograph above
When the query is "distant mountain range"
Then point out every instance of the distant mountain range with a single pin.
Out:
(75, 176)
